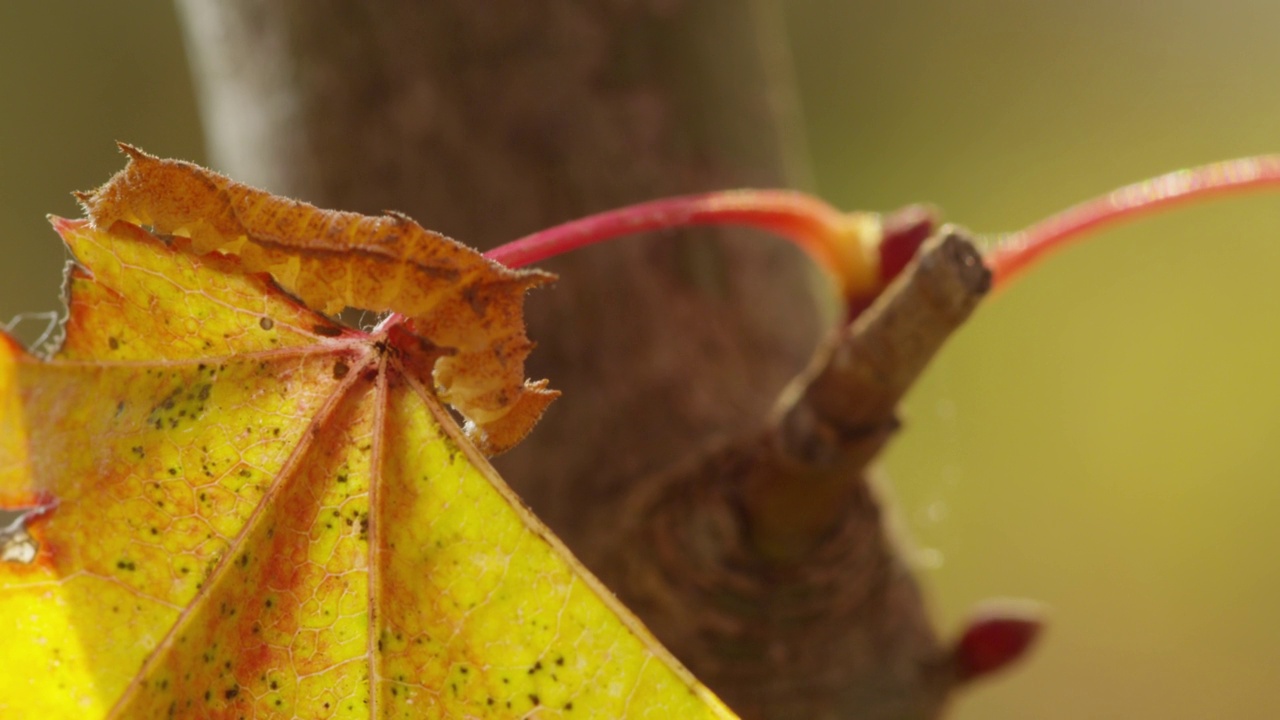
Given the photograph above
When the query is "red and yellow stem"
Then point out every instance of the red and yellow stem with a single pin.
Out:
(844, 243)
(865, 251)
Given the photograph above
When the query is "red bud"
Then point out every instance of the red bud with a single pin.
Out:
(994, 639)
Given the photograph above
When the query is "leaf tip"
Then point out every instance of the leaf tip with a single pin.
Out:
(535, 278)
(62, 225)
(85, 199)
(132, 151)
(505, 432)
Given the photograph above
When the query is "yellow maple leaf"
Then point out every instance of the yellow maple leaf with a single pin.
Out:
(232, 506)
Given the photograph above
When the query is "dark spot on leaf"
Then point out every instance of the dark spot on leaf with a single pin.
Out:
(266, 323)
(113, 343)
(340, 370)
(234, 691)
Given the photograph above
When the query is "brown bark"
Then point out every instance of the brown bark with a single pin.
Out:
(490, 120)
(769, 563)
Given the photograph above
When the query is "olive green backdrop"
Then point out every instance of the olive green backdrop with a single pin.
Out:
(1103, 437)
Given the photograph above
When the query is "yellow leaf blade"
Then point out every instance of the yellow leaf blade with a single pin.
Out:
(239, 508)
(282, 627)
(515, 626)
(155, 465)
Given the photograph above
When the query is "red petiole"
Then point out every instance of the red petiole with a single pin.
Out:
(865, 251)
(1017, 251)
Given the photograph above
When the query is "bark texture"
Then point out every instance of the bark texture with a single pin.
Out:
(487, 121)
(768, 561)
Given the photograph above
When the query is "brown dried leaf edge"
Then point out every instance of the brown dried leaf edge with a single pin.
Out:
(468, 307)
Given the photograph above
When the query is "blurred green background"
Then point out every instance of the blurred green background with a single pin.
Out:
(1102, 437)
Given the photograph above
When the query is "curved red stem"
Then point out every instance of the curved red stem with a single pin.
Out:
(798, 217)
(1018, 251)
(824, 231)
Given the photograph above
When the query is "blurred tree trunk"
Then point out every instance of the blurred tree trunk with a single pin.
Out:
(487, 121)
